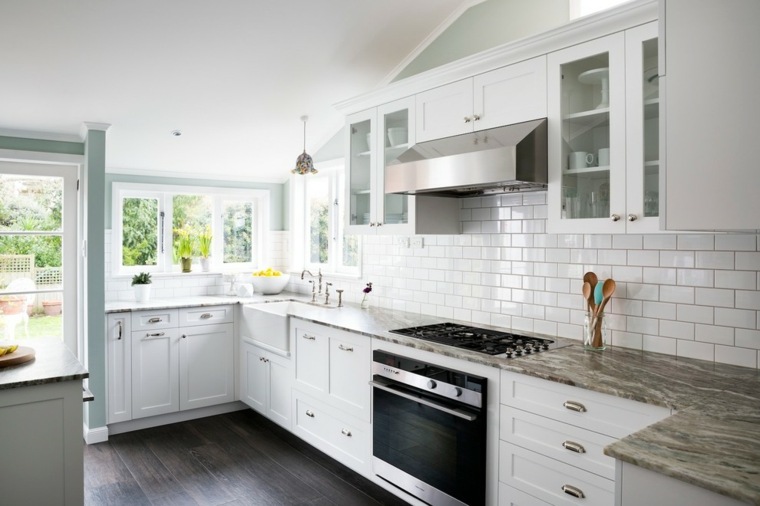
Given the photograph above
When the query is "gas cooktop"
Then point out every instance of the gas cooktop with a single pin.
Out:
(491, 342)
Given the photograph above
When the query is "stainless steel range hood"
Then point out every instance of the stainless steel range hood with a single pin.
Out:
(500, 160)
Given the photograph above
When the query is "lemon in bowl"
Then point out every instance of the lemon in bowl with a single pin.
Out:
(269, 281)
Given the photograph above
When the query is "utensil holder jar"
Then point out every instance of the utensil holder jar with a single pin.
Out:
(595, 333)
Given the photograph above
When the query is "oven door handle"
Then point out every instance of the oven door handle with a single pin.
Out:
(434, 405)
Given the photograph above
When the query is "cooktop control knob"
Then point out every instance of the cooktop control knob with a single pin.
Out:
(431, 384)
(457, 392)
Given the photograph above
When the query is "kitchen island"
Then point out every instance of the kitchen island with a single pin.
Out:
(41, 417)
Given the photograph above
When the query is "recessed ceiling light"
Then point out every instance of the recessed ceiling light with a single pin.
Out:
(176, 133)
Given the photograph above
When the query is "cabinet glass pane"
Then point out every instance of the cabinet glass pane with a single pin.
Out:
(360, 177)
(396, 141)
(651, 132)
(585, 114)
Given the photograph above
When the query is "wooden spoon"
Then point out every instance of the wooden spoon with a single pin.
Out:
(607, 290)
(592, 280)
(587, 295)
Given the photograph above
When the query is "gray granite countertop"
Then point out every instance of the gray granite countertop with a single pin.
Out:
(53, 363)
(712, 441)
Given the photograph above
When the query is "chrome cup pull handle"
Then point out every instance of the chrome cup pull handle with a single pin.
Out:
(346, 432)
(573, 491)
(345, 348)
(310, 338)
(155, 320)
(574, 406)
(206, 316)
(309, 413)
(573, 447)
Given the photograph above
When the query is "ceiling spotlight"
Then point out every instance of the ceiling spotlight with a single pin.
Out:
(176, 133)
(304, 163)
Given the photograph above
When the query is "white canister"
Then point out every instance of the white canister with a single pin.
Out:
(579, 160)
(603, 157)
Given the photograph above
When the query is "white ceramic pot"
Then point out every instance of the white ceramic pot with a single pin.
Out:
(142, 293)
(205, 264)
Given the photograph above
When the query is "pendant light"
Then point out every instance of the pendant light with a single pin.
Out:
(304, 163)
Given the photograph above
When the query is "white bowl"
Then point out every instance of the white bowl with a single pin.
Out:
(397, 135)
(270, 285)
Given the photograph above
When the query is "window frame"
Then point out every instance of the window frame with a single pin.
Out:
(333, 170)
(165, 193)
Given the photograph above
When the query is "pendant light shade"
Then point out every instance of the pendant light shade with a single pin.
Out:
(304, 163)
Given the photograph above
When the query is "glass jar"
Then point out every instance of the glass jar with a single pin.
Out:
(594, 332)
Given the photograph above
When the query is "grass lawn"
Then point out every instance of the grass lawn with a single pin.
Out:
(39, 326)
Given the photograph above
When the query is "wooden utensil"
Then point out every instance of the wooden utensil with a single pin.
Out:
(592, 280)
(607, 290)
(587, 295)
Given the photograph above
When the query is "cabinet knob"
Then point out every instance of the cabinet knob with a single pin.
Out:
(475, 117)
(632, 217)
(573, 447)
(467, 119)
(432, 384)
(309, 413)
(573, 491)
(184, 336)
(379, 224)
(346, 432)
(615, 217)
(372, 224)
(574, 406)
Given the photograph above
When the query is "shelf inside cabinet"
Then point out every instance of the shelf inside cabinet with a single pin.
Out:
(652, 108)
(364, 153)
(594, 117)
(652, 167)
(586, 170)
(360, 192)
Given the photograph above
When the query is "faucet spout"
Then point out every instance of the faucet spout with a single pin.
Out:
(306, 272)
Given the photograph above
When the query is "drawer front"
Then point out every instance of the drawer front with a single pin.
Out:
(605, 414)
(552, 481)
(350, 373)
(152, 320)
(311, 357)
(346, 442)
(566, 443)
(510, 496)
(206, 315)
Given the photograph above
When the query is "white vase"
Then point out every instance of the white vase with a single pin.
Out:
(142, 293)
(205, 264)
(365, 302)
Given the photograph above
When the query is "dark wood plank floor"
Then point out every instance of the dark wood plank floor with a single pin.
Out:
(233, 459)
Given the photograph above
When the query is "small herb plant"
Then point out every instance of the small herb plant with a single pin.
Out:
(204, 242)
(184, 244)
(141, 279)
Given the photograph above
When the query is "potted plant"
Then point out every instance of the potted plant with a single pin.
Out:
(204, 248)
(142, 283)
(184, 246)
(12, 304)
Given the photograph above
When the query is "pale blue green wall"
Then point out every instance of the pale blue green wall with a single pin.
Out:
(41, 146)
(277, 193)
(486, 25)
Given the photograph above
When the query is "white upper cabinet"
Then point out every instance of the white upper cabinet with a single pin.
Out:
(711, 175)
(375, 138)
(604, 135)
(507, 95)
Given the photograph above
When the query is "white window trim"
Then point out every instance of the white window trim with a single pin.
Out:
(260, 198)
(298, 222)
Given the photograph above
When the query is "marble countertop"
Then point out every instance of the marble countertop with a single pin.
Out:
(53, 363)
(712, 441)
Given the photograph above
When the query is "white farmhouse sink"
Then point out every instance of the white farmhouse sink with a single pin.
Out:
(267, 322)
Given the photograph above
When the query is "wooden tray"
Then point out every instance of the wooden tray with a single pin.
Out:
(21, 355)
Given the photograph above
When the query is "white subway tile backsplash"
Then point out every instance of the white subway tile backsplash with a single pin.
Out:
(714, 334)
(715, 260)
(598, 241)
(659, 344)
(631, 274)
(746, 338)
(746, 299)
(737, 242)
(627, 339)
(714, 297)
(660, 310)
(677, 259)
(627, 241)
(534, 198)
(740, 280)
(677, 330)
(695, 277)
(695, 314)
(696, 242)
(736, 318)
(678, 294)
(748, 261)
(642, 325)
(644, 258)
(658, 241)
(660, 275)
(735, 356)
(693, 349)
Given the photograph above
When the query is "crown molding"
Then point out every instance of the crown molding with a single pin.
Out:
(91, 125)
(194, 175)
(575, 32)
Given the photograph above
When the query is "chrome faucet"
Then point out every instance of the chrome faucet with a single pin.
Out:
(327, 292)
(318, 276)
(313, 291)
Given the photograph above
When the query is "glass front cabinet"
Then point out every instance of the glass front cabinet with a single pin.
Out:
(374, 139)
(603, 135)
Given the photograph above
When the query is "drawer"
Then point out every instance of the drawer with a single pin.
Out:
(566, 443)
(206, 315)
(510, 496)
(325, 429)
(552, 481)
(606, 414)
(312, 351)
(152, 320)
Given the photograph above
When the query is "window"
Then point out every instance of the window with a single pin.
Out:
(318, 206)
(150, 220)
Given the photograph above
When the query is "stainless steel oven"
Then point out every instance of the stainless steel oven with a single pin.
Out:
(429, 430)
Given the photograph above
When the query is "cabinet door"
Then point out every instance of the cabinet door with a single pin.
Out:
(361, 172)
(711, 109)
(280, 383)
(511, 94)
(155, 373)
(119, 368)
(311, 350)
(350, 373)
(254, 377)
(396, 134)
(444, 111)
(586, 105)
(206, 366)
(643, 130)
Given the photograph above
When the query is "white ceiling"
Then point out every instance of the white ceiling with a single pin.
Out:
(234, 76)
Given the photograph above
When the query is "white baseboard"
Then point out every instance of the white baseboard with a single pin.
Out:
(180, 416)
(96, 435)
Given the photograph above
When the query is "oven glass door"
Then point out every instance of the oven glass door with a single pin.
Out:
(444, 450)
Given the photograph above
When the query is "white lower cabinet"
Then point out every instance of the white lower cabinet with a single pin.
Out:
(553, 437)
(265, 383)
(170, 367)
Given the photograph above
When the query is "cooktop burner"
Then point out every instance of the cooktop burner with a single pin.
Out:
(492, 342)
